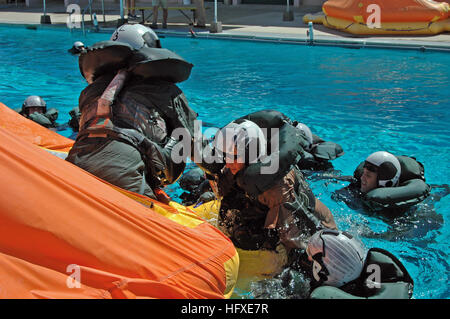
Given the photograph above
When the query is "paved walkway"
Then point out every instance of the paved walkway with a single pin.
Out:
(264, 21)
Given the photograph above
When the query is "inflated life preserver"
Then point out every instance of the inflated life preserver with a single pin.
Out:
(267, 119)
(111, 56)
(162, 64)
(290, 143)
(411, 190)
(320, 154)
(103, 57)
(395, 281)
(316, 157)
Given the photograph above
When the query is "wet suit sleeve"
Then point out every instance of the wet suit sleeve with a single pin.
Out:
(295, 214)
(282, 218)
(324, 214)
(316, 212)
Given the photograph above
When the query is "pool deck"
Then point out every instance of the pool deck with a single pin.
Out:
(255, 22)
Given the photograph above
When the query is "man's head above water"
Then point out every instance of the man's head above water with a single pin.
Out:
(34, 104)
(381, 169)
(241, 143)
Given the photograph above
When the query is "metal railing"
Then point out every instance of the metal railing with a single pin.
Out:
(89, 7)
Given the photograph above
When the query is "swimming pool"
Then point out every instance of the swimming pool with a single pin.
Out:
(364, 99)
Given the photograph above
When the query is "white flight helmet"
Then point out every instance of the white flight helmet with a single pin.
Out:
(386, 166)
(136, 35)
(338, 258)
(78, 45)
(245, 137)
(34, 101)
(305, 129)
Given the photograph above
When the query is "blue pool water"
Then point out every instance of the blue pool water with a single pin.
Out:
(365, 100)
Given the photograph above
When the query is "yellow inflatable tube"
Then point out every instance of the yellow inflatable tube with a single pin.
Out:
(254, 265)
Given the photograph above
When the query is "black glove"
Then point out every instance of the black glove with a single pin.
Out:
(52, 115)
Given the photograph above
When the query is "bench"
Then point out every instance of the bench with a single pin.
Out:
(181, 9)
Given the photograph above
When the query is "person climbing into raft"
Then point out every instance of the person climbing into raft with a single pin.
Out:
(259, 208)
(316, 155)
(35, 108)
(129, 110)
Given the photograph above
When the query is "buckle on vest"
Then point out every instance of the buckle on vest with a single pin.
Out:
(98, 124)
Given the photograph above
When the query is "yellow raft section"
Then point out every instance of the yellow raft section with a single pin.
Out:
(412, 17)
(255, 265)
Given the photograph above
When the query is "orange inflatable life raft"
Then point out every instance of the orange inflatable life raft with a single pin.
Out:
(395, 17)
(66, 234)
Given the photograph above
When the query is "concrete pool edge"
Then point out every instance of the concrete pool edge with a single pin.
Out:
(356, 43)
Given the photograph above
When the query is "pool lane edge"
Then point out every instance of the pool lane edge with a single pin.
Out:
(331, 41)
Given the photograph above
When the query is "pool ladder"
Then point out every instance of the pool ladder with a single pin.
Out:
(310, 33)
(93, 16)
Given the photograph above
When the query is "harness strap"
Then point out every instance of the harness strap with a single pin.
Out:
(102, 112)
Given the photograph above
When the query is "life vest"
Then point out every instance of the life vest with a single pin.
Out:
(411, 190)
(47, 119)
(110, 56)
(317, 157)
(285, 148)
(395, 281)
(41, 119)
(320, 154)
(150, 102)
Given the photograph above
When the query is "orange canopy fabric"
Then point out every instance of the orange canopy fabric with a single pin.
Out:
(391, 10)
(55, 216)
(32, 132)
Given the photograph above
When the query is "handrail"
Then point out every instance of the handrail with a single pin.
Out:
(89, 6)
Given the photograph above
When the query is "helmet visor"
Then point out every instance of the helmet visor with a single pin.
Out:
(151, 40)
(370, 167)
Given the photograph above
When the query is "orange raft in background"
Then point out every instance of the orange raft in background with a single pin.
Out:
(60, 224)
(414, 17)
